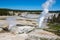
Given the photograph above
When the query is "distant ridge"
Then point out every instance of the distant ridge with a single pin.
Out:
(20, 10)
(6, 9)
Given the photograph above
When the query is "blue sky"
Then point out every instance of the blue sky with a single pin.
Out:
(27, 4)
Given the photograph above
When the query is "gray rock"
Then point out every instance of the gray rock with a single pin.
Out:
(22, 29)
(1, 29)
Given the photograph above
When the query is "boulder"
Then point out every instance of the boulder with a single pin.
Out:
(22, 29)
(1, 30)
(4, 26)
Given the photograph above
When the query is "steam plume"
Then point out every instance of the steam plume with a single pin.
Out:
(45, 6)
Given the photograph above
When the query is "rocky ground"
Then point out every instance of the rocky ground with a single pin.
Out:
(37, 34)
(26, 29)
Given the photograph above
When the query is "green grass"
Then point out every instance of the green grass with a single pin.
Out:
(54, 28)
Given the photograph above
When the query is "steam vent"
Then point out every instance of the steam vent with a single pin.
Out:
(24, 27)
(29, 24)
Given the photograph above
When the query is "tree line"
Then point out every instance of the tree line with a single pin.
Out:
(5, 11)
(55, 19)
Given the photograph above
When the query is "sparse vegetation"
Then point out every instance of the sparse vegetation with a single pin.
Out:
(54, 25)
(5, 11)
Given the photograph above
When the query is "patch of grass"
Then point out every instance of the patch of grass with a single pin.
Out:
(55, 28)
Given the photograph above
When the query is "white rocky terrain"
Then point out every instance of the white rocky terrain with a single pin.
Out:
(37, 34)
(26, 29)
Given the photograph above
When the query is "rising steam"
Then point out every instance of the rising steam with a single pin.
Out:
(11, 22)
(45, 6)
